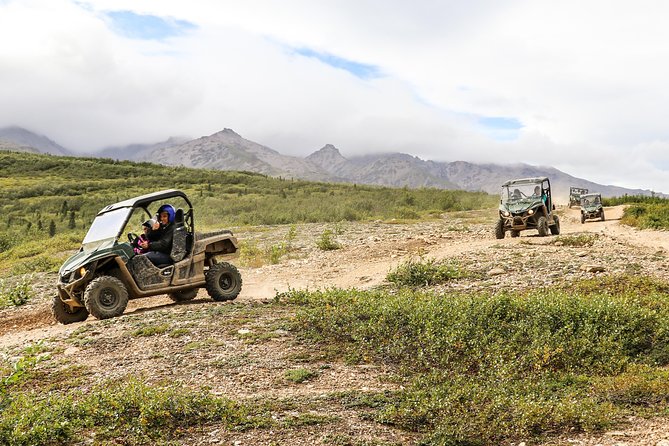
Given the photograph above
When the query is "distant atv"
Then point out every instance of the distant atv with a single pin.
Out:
(591, 207)
(527, 204)
(575, 195)
(106, 273)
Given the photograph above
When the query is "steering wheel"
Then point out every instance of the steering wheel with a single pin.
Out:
(132, 238)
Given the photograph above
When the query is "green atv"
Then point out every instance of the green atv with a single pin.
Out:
(591, 207)
(105, 273)
(527, 204)
(575, 195)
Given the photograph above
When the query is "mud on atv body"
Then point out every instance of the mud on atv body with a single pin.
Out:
(105, 274)
(527, 204)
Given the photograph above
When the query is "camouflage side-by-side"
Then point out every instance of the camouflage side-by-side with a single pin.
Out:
(106, 272)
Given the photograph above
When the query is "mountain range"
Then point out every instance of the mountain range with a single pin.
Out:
(227, 150)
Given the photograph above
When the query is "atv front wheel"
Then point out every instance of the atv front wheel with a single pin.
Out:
(183, 296)
(65, 314)
(106, 297)
(555, 229)
(223, 282)
(515, 233)
(603, 215)
(542, 226)
(499, 229)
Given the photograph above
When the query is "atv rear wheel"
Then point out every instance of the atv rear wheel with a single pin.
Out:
(582, 218)
(499, 229)
(223, 282)
(603, 215)
(542, 226)
(65, 314)
(555, 229)
(183, 296)
(106, 297)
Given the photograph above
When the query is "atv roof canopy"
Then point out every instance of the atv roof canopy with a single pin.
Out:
(143, 200)
(534, 180)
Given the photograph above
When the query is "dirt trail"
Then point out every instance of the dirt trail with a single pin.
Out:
(367, 266)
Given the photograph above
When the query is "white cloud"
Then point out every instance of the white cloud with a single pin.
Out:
(586, 80)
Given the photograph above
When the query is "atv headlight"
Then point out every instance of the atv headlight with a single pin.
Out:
(82, 271)
(506, 213)
(530, 212)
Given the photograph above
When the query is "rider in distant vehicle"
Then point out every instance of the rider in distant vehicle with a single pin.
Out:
(159, 244)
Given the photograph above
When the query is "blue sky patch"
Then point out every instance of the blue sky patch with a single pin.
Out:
(500, 129)
(501, 123)
(360, 70)
(147, 27)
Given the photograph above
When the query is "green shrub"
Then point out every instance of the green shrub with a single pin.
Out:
(421, 272)
(654, 215)
(575, 241)
(18, 293)
(151, 330)
(326, 242)
(299, 375)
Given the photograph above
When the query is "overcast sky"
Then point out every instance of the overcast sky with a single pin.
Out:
(581, 85)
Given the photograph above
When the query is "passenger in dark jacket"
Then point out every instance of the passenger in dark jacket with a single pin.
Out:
(159, 244)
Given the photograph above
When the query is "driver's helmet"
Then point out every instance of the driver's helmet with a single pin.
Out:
(516, 193)
(537, 190)
(170, 211)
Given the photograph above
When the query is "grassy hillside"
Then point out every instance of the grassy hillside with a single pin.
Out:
(48, 202)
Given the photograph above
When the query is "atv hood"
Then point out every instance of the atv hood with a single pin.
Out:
(521, 206)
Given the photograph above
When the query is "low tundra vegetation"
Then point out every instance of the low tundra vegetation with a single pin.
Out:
(16, 293)
(425, 272)
(481, 369)
(575, 240)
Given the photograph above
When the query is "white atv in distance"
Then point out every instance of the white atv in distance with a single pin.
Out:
(106, 272)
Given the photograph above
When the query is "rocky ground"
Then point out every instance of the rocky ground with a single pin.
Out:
(242, 349)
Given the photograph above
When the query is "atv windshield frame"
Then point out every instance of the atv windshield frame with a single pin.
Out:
(106, 228)
(591, 200)
(518, 193)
